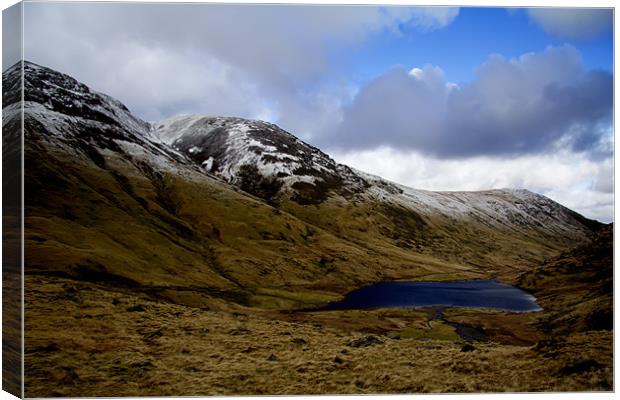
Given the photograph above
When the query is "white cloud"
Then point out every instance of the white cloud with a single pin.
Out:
(572, 179)
(246, 60)
(574, 23)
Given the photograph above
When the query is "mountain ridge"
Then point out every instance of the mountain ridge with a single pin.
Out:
(231, 205)
(261, 139)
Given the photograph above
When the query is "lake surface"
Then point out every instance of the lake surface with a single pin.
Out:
(472, 293)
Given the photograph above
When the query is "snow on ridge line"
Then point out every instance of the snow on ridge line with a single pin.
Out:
(505, 203)
(238, 142)
(59, 92)
(492, 202)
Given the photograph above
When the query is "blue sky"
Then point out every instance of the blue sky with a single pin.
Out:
(435, 98)
(464, 44)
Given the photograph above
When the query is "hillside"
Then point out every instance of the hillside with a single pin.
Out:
(156, 206)
(576, 287)
(180, 251)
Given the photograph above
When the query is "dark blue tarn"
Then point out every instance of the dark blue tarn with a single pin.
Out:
(472, 294)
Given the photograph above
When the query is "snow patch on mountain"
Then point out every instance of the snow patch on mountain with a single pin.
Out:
(69, 115)
(223, 145)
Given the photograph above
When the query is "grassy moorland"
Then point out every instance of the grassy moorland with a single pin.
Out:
(84, 339)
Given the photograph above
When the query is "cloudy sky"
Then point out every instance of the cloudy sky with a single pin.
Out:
(435, 98)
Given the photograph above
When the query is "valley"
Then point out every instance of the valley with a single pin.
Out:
(176, 257)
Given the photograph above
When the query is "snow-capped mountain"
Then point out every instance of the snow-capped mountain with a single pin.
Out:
(228, 147)
(223, 146)
(68, 114)
(261, 159)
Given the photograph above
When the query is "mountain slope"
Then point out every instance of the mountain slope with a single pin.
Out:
(224, 146)
(459, 227)
(576, 287)
(69, 115)
(201, 208)
(151, 272)
(234, 147)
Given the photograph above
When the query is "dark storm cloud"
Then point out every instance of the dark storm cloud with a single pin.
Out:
(520, 106)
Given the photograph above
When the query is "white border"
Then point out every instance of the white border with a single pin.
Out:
(481, 3)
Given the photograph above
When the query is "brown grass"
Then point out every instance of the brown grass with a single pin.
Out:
(82, 341)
